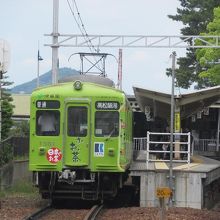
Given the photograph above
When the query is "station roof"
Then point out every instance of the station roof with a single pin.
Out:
(189, 103)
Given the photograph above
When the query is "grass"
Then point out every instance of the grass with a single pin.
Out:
(22, 188)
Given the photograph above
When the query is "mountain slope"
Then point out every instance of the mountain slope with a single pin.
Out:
(44, 79)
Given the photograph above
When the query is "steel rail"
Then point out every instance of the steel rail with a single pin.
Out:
(39, 213)
(94, 212)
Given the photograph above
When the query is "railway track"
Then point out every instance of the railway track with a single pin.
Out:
(40, 213)
(94, 212)
(48, 212)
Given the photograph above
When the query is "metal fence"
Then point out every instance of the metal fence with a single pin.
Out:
(156, 146)
(206, 145)
(20, 147)
(14, 148)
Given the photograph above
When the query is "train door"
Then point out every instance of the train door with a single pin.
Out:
(77, 135)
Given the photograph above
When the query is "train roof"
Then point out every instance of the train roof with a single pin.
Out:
(68, 89)
(89, 78)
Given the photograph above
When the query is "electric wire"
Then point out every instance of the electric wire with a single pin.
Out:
(81, 26)
(86, 34)
(82, 29)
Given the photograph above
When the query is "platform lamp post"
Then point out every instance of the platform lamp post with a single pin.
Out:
(39, 58)
(171, 185)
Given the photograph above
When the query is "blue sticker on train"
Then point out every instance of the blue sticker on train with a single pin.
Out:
(99, 149)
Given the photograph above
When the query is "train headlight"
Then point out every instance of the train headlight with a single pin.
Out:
(77, 85)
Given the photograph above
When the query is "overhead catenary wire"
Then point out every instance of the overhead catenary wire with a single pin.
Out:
(81, 26)
(82, 29)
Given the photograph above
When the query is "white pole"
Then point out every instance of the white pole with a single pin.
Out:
(218, 128)
(38, 63)
(171, 185)
(120, 70)
(55, 35)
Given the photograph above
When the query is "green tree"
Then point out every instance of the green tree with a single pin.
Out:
(195, 15)
(209, 58)
(7, 108)
(6, 152)
(20, 129)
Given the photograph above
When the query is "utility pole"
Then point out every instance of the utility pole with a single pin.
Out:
(218, 128)
(171, 185)
(1, 75)
(120, 70)
(55, 45)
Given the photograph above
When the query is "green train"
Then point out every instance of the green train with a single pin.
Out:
(80, 140)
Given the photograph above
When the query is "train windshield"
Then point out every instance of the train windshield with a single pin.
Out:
(77, 121)
(106, 123)
(48, 123)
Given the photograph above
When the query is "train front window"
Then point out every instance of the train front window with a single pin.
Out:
(106, 123)
(77, 121)
(48, 123)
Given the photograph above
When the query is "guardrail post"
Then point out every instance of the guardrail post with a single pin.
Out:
(148, 143)
(188, 149)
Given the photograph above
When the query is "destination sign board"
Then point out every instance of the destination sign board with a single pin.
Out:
(107, 105)
(48, 104)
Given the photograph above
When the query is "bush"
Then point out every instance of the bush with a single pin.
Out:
(6, 153)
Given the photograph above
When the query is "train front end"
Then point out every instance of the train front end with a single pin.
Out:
(80, 140)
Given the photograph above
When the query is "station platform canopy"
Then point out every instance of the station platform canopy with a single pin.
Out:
(188, 104)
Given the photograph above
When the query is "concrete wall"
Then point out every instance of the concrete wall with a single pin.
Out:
(14, 172)
(188, 189)
(6, 176)
(149, 183)
(21, 172)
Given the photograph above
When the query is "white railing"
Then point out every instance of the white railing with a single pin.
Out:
(140, 143)
(156, 145)
(208, 145)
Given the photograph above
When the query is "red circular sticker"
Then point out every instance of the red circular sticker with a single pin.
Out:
(54, 155)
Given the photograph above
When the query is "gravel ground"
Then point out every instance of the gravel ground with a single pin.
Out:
(17, 207)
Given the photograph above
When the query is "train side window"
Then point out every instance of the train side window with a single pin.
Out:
(106, 123)
(77, 121)
(48, 123)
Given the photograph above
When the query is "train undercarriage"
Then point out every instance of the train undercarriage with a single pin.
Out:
(79, 184)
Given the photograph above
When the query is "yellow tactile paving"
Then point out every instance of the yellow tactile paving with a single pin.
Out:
(186, 166)
(161, 166)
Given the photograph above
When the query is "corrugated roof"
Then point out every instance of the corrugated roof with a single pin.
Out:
(189, 103)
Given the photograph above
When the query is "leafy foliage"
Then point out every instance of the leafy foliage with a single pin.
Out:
(209, 58)
(20, 129)
(195, 15)
(6, 151)
(7, 109)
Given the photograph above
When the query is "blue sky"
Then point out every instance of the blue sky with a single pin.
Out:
(24, 23)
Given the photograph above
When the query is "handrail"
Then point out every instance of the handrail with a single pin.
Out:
(145, 144)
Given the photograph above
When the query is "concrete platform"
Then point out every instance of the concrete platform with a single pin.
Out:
(195, 185)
